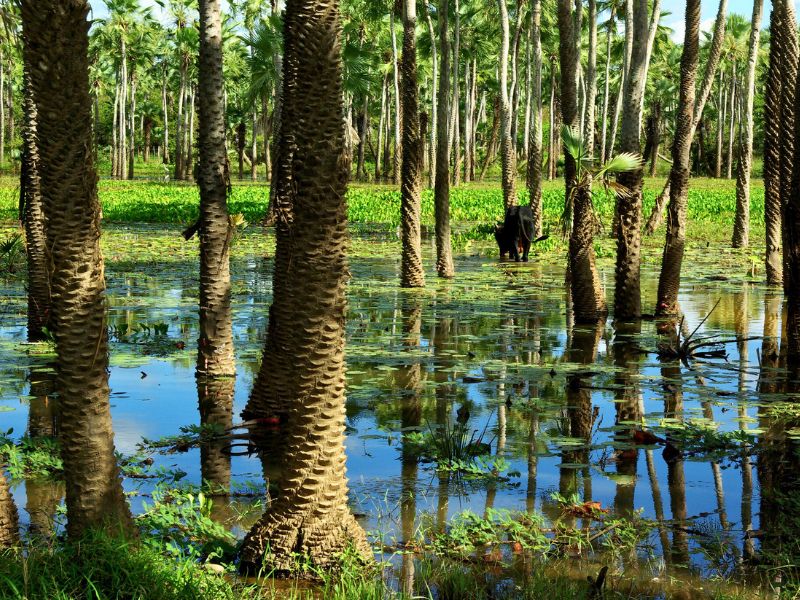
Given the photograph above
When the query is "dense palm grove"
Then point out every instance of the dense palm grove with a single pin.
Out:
(309, 95)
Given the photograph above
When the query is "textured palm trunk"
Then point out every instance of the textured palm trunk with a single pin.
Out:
(434, 103)
(165, 110)
(455, 104)
(588, 300)
(535, 137)
(612, 25)
(690, 111)
(398, 113)
(778, 135)
(254, 146)
(732, 124)
(591, 80)
(56, 34)
(492, 143)
(721, 109)
(215, 342)
(441, 192)
(179, 128)
(412, 273)
(381, 127)
(507, 152)
(741, 224)
(302, 371)
(552, 116)
(627, 291)
(9, 519)
(33, 219)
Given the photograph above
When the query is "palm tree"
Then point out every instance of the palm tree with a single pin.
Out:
(9, 519)
(215, 344)
(778, 133)
(32, 217)
(670, 278)
(587, 294)
(627, 295)
(589, 304)
(669, 282)
(741, 225)
(412, 273)
(535, 153)
(507, 150)
(56, 33)
(444, 252)
(302, 371)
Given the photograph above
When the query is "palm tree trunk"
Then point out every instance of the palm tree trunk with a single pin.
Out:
(627, 294)
(455, 105)
(669, 281)
(591, 80)
(381, 127)
(57, 35)
(165, 109)
(535, 139)
(398, 114)
(507, 153)
(441, 192)
(179, 129)
(622, 82)
(779, 134)
(215, 342)
(729, 162)
(132, 147)
(9, 519)
(215, 403)
(302, 371)
(434, 104)
(254, 146)
(32, 216)
(721, 105)
(587, 294)
(606, 85)
(672, 260)
(115, 136)
(2, 112)
(741, 225)
(552, 135)
(412, 273)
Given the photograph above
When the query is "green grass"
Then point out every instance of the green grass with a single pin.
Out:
(152, 202)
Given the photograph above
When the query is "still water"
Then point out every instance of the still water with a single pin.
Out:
(495, 344)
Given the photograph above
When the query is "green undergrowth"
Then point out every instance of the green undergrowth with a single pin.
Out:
(154, 202)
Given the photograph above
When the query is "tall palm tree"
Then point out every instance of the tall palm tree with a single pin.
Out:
(215, 343)
(779, 136)
(627, 295)
(412, 273)
(535, 152)
(669, 282)
(741, 225)
(508, 155)
(672, 260)
(444, 252)
(302, 371)
(56, 33)
(588, 300)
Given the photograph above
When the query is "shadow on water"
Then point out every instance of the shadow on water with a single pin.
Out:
(568, 421)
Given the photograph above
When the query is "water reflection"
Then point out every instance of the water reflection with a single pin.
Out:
(561, 404)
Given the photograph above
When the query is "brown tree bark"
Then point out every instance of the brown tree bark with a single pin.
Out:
(627, 294)
(9, 519)
(215, 342)
(56, 34)
(441, 192)
(588, 301)
(412, 272)
(535, 153)
(302, 371)
(778, 133)
(669, 281)
(508, 154)
(32, 216)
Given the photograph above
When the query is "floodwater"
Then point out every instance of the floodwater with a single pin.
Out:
(495, 343)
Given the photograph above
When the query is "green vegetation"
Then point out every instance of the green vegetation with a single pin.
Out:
(151, 202)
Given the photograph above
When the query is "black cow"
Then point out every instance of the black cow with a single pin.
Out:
(516, 233)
